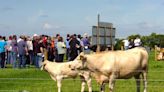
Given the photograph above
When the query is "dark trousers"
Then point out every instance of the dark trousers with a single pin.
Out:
(22, 61)
(73, 54)
(31, 56)
(60, 57)
(2, 59)
(68, 54)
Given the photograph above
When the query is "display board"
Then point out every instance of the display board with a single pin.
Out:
(105, 34)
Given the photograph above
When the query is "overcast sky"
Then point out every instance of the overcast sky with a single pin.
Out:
(78, 16)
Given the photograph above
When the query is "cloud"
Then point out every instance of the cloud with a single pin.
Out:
(89, 19)
(35, 17)
(48, 26)
(162, 3)
(148, 25)
(3, 26)
(42, 14)
(6, 9)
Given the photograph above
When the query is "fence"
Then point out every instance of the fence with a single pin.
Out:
(155, 84)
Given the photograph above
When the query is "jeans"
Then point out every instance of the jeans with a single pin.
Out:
(68, 54)
(22, 61)
(60, 57)
(31, 55)
(38, 61)
(9, 57)
(2, 59)
(14, 60)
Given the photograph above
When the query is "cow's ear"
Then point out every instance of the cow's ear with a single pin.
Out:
(83, 58)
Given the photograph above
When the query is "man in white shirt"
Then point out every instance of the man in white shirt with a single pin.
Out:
(137, 42)
(126, 44)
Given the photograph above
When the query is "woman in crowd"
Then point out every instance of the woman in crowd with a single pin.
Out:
(8, 50)
(61, 48)
(14, 51)
(51, 48)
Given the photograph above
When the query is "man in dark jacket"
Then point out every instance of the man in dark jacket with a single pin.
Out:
(74, 45)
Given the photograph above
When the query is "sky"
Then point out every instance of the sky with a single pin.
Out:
(51, 17)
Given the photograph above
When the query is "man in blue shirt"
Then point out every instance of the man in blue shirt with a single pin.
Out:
(22, 52)
(2, 52)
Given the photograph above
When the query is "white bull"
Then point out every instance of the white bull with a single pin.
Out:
(58, 71)
(114, 65)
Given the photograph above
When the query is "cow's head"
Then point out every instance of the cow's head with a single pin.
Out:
(43, 65)
(79, 63)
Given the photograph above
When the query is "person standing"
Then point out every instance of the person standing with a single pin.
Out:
(131, 44)
(22, 52)
(67, 47)
(9, 48)
(61, 48)
(137, 42)
(79, 38)
(30, 50)
(50, 49)
(74, 45)
(14, 51)
(86, 43)
(2, 52)
(126, 44)
(38, 50)
(55, 43)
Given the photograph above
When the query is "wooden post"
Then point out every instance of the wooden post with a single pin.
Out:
(112, 48)
(45, 54)
(155, 54)
(111, 40)
(122, 47)
(98, 35)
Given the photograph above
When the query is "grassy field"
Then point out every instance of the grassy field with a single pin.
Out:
(34, 80)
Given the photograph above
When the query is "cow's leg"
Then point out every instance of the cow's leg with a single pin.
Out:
(102, 86)
(59, 79)
(144, 76)
(111, 82)
(137, 78)
(82, 83)
(89, 83)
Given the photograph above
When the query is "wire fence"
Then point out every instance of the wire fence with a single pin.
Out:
(152, 84)
(69, 79)
(155, 83)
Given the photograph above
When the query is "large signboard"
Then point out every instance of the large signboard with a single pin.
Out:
(106, 35)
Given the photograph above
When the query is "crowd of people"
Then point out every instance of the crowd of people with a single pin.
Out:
(128, 44)
(25, 51)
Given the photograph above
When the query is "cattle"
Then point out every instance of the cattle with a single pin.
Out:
(160, 56)
(59, 71)
(114, 65)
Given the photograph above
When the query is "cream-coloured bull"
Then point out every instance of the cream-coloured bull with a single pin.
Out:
(116, 65)
(59, 71)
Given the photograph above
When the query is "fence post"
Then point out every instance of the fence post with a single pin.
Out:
(112, 48)
(155, 55)
(45, 54)
(122, 48)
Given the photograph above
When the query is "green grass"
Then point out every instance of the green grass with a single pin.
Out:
(34, 80)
